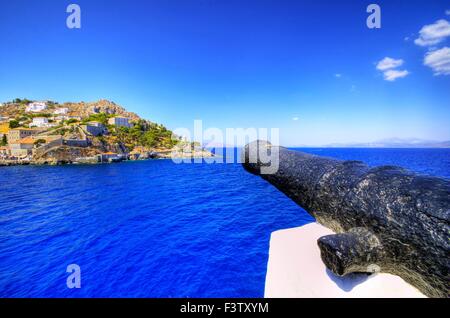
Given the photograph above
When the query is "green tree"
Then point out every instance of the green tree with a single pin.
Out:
(149, 139)
(71, 121)
(14, 124)
(143, 133)
(4, 140)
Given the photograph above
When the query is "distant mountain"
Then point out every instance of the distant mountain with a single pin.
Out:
(395, 143)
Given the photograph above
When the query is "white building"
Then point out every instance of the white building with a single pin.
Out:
(119, 122)
(61, 111)
(61, 118)
(40, 122)
(36, 107)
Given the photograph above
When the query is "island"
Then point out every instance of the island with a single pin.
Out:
(47, 132)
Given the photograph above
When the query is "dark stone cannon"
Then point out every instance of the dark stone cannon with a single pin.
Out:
(386, 218)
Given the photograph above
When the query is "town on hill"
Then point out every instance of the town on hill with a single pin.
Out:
(46, 132)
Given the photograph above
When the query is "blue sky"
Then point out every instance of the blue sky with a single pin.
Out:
(240, 64)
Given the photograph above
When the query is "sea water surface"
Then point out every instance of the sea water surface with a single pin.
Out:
(153, 228)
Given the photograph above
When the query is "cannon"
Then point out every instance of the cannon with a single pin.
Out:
(386, 218)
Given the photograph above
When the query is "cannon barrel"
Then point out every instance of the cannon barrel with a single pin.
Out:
(385, 218)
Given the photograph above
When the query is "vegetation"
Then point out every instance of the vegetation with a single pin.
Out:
(39, 142)
(21, 101)
(31, 116)
(101, 118)
(59, 131)
(144, 133)
(4, 141)
(14, 124)
(71, 121)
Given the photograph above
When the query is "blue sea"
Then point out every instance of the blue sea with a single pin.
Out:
(153, 228)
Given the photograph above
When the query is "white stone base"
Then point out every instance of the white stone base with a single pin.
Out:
(295, 270)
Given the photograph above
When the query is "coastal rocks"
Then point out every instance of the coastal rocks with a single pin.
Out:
(7, 163)
(387, 218)
(65, 154)
(197, 153)
(144, 153)
(87, 160)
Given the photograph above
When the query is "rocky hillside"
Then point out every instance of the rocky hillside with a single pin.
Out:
(102, 106)
(139, 137)
(17, 107)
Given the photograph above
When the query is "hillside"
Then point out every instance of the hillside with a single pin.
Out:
(17, 107)
(57, 131)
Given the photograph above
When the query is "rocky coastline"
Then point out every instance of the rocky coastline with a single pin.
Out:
(93, 160)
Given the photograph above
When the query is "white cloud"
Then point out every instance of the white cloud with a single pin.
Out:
(392, 75)
(338, 75)
(447, 12)
(439, 61)
(295, 118)
(388, 63)
(432, 34)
